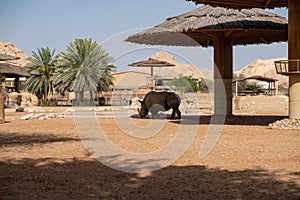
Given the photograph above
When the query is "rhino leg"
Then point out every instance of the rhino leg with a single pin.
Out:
(177, 111)
(173, 114)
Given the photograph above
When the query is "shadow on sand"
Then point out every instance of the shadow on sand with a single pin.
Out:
(229, 120)
(15, 139)
(89, 179)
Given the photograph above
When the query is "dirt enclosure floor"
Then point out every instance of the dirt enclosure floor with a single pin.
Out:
(46, 159)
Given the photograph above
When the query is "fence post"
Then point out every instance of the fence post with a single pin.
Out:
(2, 114)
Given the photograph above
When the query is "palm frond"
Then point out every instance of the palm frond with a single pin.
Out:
(81, 67)
(42, 66)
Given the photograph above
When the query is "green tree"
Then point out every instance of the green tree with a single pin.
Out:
(185, 84)
(41, 68)
(253, 87)
(83, 67)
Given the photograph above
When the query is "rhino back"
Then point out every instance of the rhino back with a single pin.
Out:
(166, 99)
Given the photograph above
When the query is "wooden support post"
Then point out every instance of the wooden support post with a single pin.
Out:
(17, 83)
(2, 114)
(294, 53)
(4, 82)
(152, 80)
(223, 74)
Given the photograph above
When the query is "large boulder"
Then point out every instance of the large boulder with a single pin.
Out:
(24, 99)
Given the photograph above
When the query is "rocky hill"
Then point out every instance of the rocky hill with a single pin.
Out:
(259, 67)
(264, 68)
(9, 49)
(178, 69)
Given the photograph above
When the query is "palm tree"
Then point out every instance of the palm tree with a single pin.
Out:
(106, 79)
(42, 68)
(81, 68)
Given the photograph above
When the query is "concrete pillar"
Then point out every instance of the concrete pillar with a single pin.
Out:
(294, 54)
(294, 91)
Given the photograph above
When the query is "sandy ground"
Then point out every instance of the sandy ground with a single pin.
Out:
(46, 159)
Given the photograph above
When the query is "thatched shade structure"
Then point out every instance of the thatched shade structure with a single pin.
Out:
(4, 57)
(238, 4)
(253, 26)
(293, 39)
(260, 78)
(151, 63)
(221, 28)
(271, 82)
(8, 70)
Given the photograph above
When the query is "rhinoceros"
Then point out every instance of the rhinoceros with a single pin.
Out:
(154, 102)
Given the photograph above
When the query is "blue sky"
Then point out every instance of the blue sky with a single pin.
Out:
(33, 24)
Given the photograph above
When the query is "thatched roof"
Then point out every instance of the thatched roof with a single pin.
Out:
(4, 57)
(151, 63)
(246, 26)
(11, 70)
(259, 78)
(238, 4)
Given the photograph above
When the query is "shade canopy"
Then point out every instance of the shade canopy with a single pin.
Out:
(238, 4)
(11, 71)
(259, 78)
(245, 26)
(4, 57)
(151, 63)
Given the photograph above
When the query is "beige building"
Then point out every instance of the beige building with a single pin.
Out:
(127, 84)
(131, 80)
